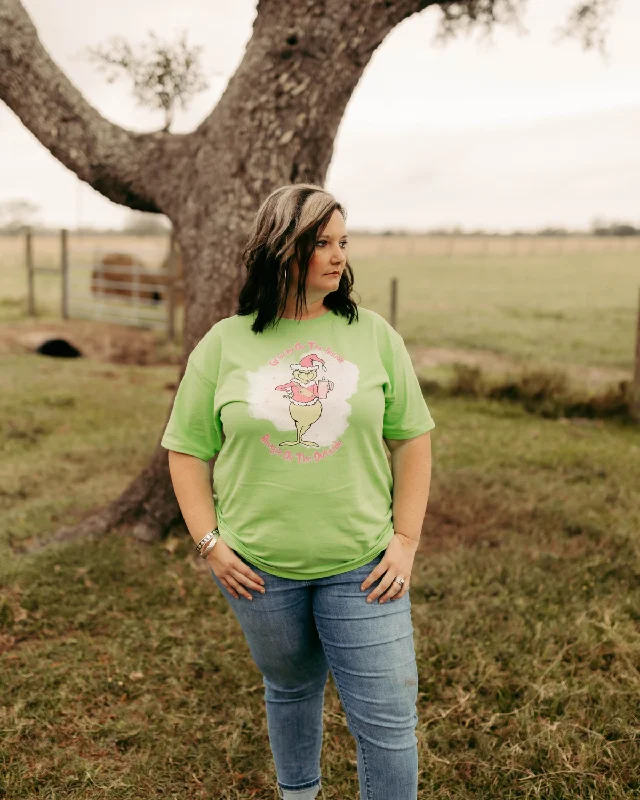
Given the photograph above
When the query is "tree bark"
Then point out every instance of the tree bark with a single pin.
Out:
(275, 123)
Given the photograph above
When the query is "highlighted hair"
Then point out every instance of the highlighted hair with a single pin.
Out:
(286, 228)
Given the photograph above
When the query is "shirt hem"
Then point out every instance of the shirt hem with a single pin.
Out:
(179, 448)
(235, 544)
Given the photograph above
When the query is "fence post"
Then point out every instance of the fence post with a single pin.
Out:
(394, 302)
(64, 268)
(136, 291)
(171, 298)
(635, 389)
(28, 256)
(99, 281)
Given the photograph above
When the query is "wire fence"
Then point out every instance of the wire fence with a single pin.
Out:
(111, 287)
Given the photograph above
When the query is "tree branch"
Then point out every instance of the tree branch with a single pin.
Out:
(114, 161)
(306, 57)
(587, 22)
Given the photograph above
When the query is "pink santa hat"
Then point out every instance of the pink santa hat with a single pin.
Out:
(306, 364)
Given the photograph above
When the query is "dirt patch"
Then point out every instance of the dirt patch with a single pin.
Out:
(463, 519)
(99, 341)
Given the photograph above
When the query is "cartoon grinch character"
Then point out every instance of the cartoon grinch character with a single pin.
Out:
(304, 393)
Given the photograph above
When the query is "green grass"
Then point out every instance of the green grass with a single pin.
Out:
(126, 675)
(73, 434)
(572, 309)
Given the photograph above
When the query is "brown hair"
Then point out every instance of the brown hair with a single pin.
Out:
(286, 227)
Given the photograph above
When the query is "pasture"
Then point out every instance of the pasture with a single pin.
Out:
(125, 675)
(568, 302)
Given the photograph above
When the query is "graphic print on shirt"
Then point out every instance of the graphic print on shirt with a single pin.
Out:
(317, 386)
(304, 393)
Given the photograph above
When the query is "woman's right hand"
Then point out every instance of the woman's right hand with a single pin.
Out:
(232, 571)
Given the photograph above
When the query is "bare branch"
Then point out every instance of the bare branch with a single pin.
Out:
(586, 22)
(164, 75)
(17, 214)
(109, 158)
(465, 16)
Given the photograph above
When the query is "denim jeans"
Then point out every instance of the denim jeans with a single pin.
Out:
(297, 632)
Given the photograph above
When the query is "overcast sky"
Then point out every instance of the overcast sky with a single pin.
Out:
(520, 132)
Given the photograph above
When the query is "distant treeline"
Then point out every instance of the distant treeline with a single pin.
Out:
(151, 229)
(611, 229)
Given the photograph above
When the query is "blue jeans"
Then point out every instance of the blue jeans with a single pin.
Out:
(297, 632)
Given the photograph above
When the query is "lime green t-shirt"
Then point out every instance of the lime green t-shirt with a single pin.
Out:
(302, 486)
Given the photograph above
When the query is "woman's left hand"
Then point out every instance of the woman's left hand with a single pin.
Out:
(396, 562)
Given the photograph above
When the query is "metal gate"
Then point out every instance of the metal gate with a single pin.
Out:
(120, 293)
(118, 288)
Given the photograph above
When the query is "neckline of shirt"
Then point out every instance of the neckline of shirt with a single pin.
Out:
(313, 319)
(327, 319)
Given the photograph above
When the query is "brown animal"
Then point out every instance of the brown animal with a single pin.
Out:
(125, 275)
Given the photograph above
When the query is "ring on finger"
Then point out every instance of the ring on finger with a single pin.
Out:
(398, 585)
(389, 594)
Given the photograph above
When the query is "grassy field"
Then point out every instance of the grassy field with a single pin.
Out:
(126, 675)
(571, 308)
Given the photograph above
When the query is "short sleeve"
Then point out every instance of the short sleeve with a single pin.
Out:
(406, 413)
(194, 426)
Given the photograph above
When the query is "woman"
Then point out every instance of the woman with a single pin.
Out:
(309, 531)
